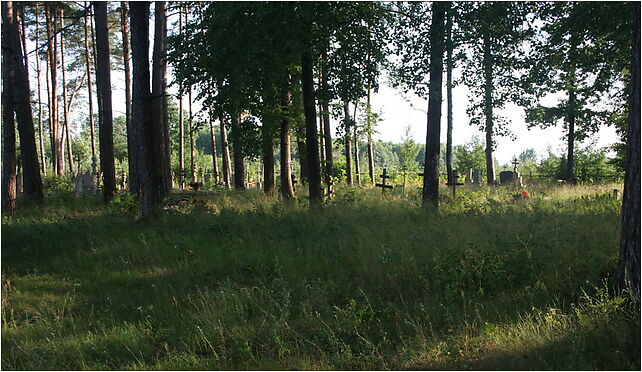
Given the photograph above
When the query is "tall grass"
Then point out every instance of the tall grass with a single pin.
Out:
(242, 281)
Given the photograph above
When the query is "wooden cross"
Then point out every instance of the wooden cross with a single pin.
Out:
(383, 185)
(454, 184)
(515, 163)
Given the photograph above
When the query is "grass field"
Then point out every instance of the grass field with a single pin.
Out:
(245, 282)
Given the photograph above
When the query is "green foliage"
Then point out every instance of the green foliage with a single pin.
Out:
(58, 184)
(470, 155)
(124, 202)
(363, 283)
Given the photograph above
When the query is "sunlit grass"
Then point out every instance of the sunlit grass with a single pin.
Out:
(243, 281)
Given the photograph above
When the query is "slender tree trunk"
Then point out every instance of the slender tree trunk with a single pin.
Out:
(449, 95)
(23, 37)
(158, 103)
(570, 155)
(49, 107)
(21, 104)
(311, 139)
(9, 162)
(357, 163)
(302, 150)
(488, 108)
(629, 267)
(65, 106)
(181, 130)
(268, 158)
(103, 83)
(348, 143)
(371, 166)
(132, 154)
(217, 178)
(43, 163)
(145, 129)
(225, 154)
(431, 165)
(192, 164)
(327, 132)
(92, 126)
(167, 143)
(239, 165)
(287, 188)
(56, 145)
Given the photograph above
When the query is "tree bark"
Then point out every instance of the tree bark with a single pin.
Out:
(65, 106)
(570, 155)
(225, 154)
(145, 127)
(302, 150)
(449, 95)
(9, 162)
(92, 126)
(327, 132)
(268, 158)
(348, 143)
(629, 266)
(311, 138)
(56, 143)
(158, 103)
(488, 107)
(239, 165)
(357, 163)
(431, 165)
(371, 166)
(192, 164)
(287, 188)
(21, 104)
(132, 159)
(103, 85)
(217, 179)
(43, 163)
(181, 130)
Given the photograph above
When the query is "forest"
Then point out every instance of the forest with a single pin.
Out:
(207, 185)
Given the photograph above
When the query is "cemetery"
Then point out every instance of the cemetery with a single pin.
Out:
(320, 186)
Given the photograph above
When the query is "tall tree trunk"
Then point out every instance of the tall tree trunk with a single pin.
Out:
(217, 179)
(167, 143)
(92, 126)
(43, 163)
(225, 154)
(181, 130)
(21, 95)
(49, 104)
(449, 95)
(145, 129)
(287, 188)
(570, 155)
(311, 136)
(302, 150)
(431, 165)
(268, 158)
(488, 107)
(9, 163)
(23, 37)
(65, 106)
(192, 164)
(348, 143)
(629, 267)
(239, 165)
(357, 163)
(103, 85)
(327, 132)
(56, 145)
(371, 166)
(158, 103)
(132, 154)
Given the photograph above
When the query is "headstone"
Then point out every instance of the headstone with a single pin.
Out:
(469, 176)
(510, 178)
(85, 183)
(476, 177)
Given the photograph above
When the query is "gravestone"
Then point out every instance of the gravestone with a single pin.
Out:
(510, 178)
(469, 176)
(476, 177)
(85, 183)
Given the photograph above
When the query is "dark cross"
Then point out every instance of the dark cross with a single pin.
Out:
(454, 184)
(515, 163)
(383, 185)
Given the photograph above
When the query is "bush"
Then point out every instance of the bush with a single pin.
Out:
(54, 183)
(124, 202)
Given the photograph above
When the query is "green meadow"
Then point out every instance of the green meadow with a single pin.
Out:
(243, 281)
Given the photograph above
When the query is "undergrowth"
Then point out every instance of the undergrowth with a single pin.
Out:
(243, 281)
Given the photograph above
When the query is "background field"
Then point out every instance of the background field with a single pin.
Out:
(245, 282)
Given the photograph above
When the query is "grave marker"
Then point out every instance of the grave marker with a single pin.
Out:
(383, 185)
(454, 184)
